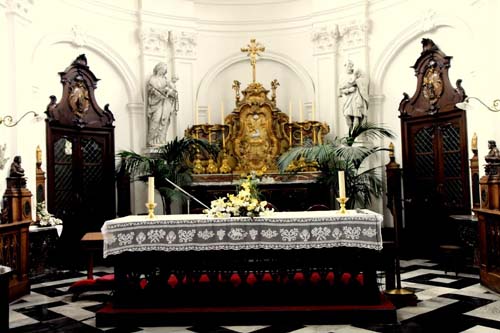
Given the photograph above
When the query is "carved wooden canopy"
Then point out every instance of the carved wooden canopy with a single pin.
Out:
(78, 106)
(434, 91)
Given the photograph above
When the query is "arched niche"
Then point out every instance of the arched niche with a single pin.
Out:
(295, 83)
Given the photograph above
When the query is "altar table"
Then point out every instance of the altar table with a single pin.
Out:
(177, 264)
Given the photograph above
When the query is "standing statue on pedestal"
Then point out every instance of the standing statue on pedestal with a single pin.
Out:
(162, 104)
(354, 93)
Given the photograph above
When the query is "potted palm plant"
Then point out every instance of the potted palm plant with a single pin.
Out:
(170, 161)
(351, 154)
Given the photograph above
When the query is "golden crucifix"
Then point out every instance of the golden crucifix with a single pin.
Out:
(253, 50)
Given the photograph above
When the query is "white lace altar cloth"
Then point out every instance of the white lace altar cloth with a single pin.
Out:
(281, 230)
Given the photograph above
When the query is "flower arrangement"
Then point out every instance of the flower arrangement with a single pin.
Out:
(44, 217)
(245, 203)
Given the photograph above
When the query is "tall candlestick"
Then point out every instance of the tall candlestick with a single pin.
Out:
(300, 111)
(290, 111)
(223, 138)
(341, 184)
(151, 190)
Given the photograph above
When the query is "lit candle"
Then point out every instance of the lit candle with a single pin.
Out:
(38, 154)
(209, 118)
(301, 116)
(290, 111)
(341, 184)
(313, 116)
(151, 189)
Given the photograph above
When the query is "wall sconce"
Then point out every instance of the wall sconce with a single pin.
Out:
(8, 121)
(465, 105)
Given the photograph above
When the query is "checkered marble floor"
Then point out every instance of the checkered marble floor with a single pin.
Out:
(446, 303)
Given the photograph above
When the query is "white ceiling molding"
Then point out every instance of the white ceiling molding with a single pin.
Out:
(325, 38)
(101, 48)
(409, 34)
(20, 8)
(184, 44)
(154, 41)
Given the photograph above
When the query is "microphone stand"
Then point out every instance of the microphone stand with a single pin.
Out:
(189, 195)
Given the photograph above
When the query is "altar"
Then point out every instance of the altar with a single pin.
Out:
(319, 266)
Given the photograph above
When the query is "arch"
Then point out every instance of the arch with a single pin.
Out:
(407, 35)
(98, 46)
(210, 76)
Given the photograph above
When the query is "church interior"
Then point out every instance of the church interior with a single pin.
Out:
(249, 166)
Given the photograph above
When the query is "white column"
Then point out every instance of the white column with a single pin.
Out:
(324, 39)
(183, 45)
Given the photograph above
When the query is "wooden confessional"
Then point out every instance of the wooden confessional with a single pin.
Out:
(80, 157)
(435, 154)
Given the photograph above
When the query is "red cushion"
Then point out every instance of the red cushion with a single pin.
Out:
(143, 283)
(360, 279)
(106, 278)
(345, 278)
(299, 277)
(267, 277)
(172, 281)
(81, 284)
(251, 279)
(235, 279)
(315, 278)
(330, 277)
(204, 278)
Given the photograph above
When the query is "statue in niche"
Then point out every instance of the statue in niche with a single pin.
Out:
(16, 171)
(162, 104)
(354, 93)
(79, 98)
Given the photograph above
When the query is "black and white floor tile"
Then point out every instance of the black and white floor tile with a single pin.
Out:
(446, 303)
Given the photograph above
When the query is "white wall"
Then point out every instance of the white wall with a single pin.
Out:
(306, 42)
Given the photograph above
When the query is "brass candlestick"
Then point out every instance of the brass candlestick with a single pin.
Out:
(151, 209)
(342, 202)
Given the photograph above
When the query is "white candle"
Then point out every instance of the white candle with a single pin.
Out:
(151, 189)
(341, 184)
(300, 111)
(313, 116)
(290, 111)
(209, 118)
(222, 113)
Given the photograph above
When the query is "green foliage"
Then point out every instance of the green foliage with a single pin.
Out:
(170, 161)
(362, 184)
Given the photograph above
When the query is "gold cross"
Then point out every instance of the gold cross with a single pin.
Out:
(253, 50)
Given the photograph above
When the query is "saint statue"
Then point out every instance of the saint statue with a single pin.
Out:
(162, 104)
(16, 171)
(354, 94)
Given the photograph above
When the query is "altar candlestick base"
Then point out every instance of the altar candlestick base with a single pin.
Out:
(151, 209)
(342, 202)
